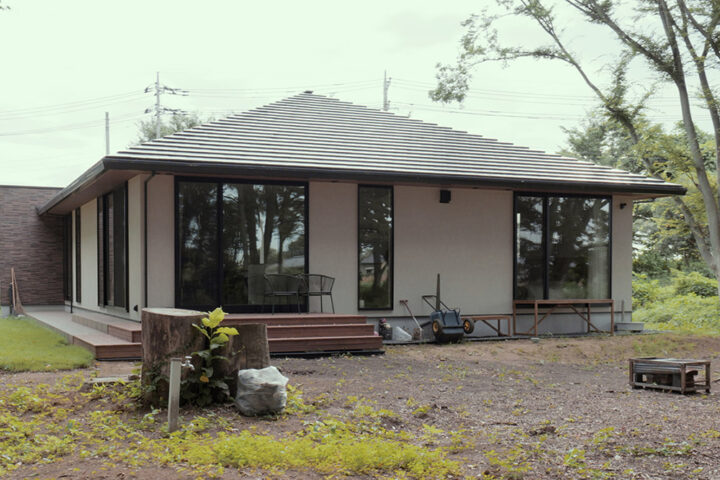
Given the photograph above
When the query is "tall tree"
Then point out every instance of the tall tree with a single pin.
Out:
(678, 39)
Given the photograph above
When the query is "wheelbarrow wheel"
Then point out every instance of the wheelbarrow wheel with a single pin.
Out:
(437, 328)
(468, 326)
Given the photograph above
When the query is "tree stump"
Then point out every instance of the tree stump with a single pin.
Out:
(166, 333)
(248, 349)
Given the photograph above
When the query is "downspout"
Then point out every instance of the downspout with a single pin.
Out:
(145, 239)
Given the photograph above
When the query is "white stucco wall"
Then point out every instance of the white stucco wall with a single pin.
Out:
(622, 223)
(332, 230)
(161, 242)
(88, 256)
(468, 241)
(135, 246)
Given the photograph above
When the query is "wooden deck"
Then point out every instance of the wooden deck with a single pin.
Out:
(313, 332)
(113, 338)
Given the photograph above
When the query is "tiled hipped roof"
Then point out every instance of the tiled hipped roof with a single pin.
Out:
(312, 136)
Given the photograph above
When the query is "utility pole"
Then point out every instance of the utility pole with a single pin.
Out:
(386, 86)
(159, 109)
(107, 133)
(157, 105)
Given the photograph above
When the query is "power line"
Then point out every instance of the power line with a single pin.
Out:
(284, 89)
(426, 86)
(71, 126)
(70, 107)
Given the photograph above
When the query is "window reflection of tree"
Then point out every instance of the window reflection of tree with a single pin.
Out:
(197, 229)
(375, 237)
(579, 242)
(259, 223)
(263, 230)
(530, 255)
(579, 246)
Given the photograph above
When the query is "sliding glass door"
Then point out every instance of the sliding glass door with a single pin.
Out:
(230, 234)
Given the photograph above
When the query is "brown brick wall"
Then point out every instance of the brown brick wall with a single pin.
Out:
(32, 245)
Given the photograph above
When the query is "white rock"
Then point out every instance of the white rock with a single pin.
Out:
(261, 391)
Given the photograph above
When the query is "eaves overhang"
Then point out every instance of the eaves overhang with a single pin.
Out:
(111, 171)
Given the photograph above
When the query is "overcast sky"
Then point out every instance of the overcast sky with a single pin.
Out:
(64, 64)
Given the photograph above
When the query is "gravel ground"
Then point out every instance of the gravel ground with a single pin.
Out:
(560, 408)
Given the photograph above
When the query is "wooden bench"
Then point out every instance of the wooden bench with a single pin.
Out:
(486, 320)
(680, 375)
(575, 305)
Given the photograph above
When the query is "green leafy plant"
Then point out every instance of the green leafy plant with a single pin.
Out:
(694, 282)
(204, 385)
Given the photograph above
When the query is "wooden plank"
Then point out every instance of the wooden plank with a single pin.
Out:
(298, 331)
(277, 319)
(320, 344)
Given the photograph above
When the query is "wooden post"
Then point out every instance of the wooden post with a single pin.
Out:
(166, 333)
(174, 400)
(248, 349)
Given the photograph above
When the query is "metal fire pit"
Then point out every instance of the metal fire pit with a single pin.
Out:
(672, 374)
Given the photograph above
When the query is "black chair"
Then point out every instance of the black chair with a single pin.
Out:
(316, 285)
(283, 286)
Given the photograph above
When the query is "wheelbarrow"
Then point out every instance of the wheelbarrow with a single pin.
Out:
(447, 325)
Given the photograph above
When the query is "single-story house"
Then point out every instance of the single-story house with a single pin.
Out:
(381, 202)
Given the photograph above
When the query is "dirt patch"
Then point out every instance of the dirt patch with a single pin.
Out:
(559, 408)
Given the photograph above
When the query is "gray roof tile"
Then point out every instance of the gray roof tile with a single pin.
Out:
(307, 134)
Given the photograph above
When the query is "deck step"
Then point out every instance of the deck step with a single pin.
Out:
(107, 347)
(323, 344)
(113, 338)
(121, 328)
(303, 331)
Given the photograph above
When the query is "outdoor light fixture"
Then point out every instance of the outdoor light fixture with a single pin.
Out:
(623, 205)
(445, 196)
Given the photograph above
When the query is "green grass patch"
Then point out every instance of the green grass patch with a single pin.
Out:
(44, 424)
(25, 345)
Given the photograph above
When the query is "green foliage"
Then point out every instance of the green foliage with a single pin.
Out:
(203, 385)
(25, 345)
(695, 283)
(651, 262)
(685, 302)
(177, 123)
(688, 313)
(647, 291)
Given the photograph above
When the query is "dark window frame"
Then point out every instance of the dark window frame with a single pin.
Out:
(67, 258)
(545, 196)
(103, 230)
(78, 256)
(220, 181)
(101, 250)
(391, 268)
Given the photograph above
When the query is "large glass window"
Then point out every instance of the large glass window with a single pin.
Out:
(231, 234)
(198, 243)
(263, 232)
(375, 252)
(562, 248)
